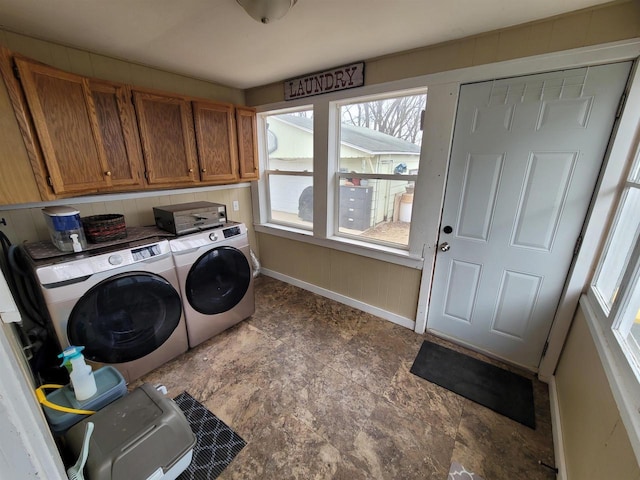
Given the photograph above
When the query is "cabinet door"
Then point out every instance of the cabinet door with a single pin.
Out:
(18, 183)
(247, 143)
(168, 141)
(62, 112)
(216, 139)
(118, 132)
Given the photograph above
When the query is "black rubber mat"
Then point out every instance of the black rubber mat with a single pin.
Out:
(502, 391)
(216, 443)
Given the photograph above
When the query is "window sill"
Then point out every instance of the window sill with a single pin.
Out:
(622, 380)
(349, 245)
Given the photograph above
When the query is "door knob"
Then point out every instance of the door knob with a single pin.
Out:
(444, 246)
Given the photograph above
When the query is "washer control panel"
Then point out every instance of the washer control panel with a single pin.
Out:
(145, 252)
(92, 264)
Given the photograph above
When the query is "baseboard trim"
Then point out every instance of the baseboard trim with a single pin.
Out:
(556, 426)
(365, 307)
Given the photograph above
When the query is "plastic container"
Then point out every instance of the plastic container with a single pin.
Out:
(143, 435)
(65, 228)
(110, 385)
(406, 206)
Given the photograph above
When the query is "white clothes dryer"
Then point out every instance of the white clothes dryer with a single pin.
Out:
(216, 279)
(123, 306)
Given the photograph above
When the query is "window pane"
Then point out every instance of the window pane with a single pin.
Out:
(634, 337)
(616, 257)
(379, 137)
(290, 150)
(629, 328)
(291, 199)
(290, 141)
(376, 210)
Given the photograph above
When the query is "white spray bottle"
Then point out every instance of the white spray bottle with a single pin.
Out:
(82, 379)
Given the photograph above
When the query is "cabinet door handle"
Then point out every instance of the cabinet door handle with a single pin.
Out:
(204, 170)
(108, 174)
(191, 170)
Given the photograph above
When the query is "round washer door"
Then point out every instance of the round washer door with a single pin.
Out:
(218, 280)
(125, 317)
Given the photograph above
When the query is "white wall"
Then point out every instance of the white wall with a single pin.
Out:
(26, 445)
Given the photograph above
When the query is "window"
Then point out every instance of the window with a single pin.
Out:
(289, 170)
(378, 160)
(617, 280)
(353, 163)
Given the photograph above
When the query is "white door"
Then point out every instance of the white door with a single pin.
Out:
(525, 159)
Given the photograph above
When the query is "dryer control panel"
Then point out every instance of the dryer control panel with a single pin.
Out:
(207, 238)
(231, 232)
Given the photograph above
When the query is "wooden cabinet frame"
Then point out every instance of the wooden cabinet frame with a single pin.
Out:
(168, 139)
(26, 180)
(216, 140)
(118, 131)
(64, 117)
(247, 143)
(84, 135)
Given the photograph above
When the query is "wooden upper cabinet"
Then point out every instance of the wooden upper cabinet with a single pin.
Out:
(247, 143)
(62, 111)
(18, 182)
(216, 140)
(118, 132)
(168, 140)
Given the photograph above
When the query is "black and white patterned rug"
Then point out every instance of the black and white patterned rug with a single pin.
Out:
(216, 443)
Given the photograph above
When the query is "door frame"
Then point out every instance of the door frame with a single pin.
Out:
(438, 137)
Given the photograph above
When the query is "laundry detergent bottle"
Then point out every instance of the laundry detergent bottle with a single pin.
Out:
(82, 379)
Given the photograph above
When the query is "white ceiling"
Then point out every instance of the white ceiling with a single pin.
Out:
(216, 40)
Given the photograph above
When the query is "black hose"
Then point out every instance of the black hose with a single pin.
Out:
(6, 245)
(19, 281)
(25, 288)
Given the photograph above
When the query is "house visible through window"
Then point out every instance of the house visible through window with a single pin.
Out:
(370, 176)
(289, 138)
(379, 155)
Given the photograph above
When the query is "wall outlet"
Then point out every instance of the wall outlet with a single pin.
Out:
(236, 205)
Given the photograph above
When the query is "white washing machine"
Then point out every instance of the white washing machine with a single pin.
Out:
(216, 279)
(123, 306)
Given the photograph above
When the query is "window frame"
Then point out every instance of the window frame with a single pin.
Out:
(614, 316)
(621, 367)
(325, 168)
(337, 128)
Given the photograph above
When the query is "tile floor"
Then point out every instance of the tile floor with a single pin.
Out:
(320, 390)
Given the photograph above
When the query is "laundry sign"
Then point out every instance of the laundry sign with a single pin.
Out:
(339, 78)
